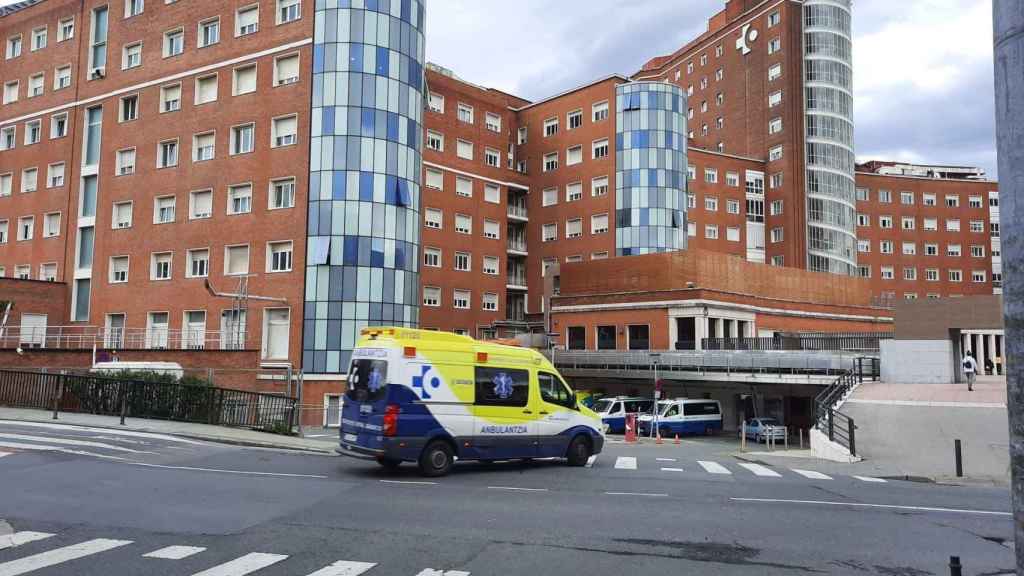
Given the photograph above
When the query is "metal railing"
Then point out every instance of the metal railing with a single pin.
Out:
(516, 279)
(864, 342)
(517, 211)
(517, 244)
(704, 362)
(88, 337)
(147, 399)
(828, 419)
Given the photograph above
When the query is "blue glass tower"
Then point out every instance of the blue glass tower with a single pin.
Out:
(650, 161)
(362, 263)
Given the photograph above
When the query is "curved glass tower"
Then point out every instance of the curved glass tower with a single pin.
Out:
(362, 263)
(828, 89)
(650, 165)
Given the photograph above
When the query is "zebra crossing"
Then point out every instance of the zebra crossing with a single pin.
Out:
(72, 555)
(672, 465)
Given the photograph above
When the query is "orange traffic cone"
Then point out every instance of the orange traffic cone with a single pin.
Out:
(677, 439)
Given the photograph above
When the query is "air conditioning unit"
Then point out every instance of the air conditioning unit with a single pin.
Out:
(96, 73)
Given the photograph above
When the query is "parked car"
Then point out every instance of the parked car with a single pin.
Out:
(761, 429)
(684, 416)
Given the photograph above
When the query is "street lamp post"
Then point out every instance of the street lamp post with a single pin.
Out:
(655, 357)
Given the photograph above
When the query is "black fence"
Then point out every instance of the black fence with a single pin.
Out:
(140, 399)
(858, 342)
(839, 427)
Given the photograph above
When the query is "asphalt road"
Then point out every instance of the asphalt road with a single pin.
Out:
(97, 502)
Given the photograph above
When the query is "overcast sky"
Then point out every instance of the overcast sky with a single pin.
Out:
(922, 68)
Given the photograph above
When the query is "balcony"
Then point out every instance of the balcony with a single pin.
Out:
(517, 246)
(516, 281)
(518, 212)
(89, 337)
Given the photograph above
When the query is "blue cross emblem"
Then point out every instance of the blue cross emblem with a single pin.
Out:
(417, 382)
(375, 380)
(503, 385)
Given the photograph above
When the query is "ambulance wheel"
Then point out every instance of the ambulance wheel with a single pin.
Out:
(437, 459)
(579, 451)
(389, 464)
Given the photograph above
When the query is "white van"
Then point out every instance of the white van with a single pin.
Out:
(684, 416)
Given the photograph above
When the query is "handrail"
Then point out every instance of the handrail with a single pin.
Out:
(88, 337)
(828, 419)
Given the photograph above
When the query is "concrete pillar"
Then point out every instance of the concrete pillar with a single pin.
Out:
(700, 331)
(673, 332)
(991, 352)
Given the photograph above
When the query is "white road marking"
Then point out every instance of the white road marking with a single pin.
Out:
(344, 568)
(2, 454)
(759, 470)
(671, 469)
(635, 494)
(713, 467)
(432, 572)
(243, 565)
(19, 538)
(47, 448)
(415, 482)
(130, 433)
(870, 479)
(812, 474)
(863, 505)
(69, 442)
(317, 435)
(518, 488)
(590, 461)
(625, 463)
(59, 556)
(174, 552)
(248, 472)
(665, 459)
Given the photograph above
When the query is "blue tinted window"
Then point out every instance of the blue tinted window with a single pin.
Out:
(366, 186)
(338, 186)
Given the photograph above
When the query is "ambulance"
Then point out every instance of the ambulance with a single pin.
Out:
(435, 397)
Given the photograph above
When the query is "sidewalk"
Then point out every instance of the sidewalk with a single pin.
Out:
(324, 441)
(988, 390)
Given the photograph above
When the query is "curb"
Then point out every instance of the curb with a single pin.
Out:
(202, 437)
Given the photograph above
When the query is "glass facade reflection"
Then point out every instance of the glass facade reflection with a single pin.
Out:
(650, 164)
(828, 92)
(362, 257)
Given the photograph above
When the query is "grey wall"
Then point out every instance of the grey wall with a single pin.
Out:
(917, 361)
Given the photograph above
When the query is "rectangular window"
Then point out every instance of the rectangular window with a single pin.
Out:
(51, 224)
(774, 45)
(58, 126)
(907, 198)
(279, 256)
(492, 157)
(492, 193)
(775, 98)
(711, 231)
(977, 251)
(550, 161)
(599, 111)
(282, 193)
(8, 137)
(122, 216)
(163, 210)
(711, 175)
(600, 148)
(863, 194)
(244, 80)
(462, 261)
(492, 229)
(242, 139)
(284, 131)
(910, 273)
(490, 265)
(490, 301)
(61, 77)
(908, 222)
(574, 155)
(432, 257)
(167, 154)
(433, 218)
(463, 224)
(236, 260)
(549, 233)
(435, 179)
(978, 276)
(200, 204)
(550, 127)
(55, 175)
(464, 149)
(461, 299)
(10, 92)
(206, 89)
(431, 296)
(33, 132)
(574, 119)
(775, 72)
(174, 42)
(909, 248)
(599, 186)
(13, 47)
(26, 227)
(885, 196)
(435, 141)
(118, 270)
(463, 187)
(465, 113)
(885, 221)
(240, 199)
(133, 7)
(35, 85)
(128, 108)
(288, 11)
(599, 224)
(160, 266)
(6, 182)
(29, 180)
(549, 197)
(885, 246)
(203, 147)
(775, 125)
(931, 249)
(775, 153)
(521, 135)
(131, 56)
(952, 225)
(978, 226)
(863, 246)
(930, 224)
(953, 250)
(170, 98)
(209, 32)
(198, 263)
(955, 275)
(435, 102)
(573, 191)
(492, 122)
(286, 69)
(247, 20)
(952, 201)
(126, 161)
(888, 273)
(65, 29)
(574, 228)
(711, 203)
(931, 274)
(777, 235)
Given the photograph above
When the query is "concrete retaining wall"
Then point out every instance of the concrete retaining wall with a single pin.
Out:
(917, 361)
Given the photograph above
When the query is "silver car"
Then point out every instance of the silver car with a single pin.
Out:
(761, 429)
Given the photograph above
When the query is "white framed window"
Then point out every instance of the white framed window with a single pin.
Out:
(462, 261)
(243, 80)
(599, 255)
(58, 126)
(464, 149)
(170, 98)
(599, 111)
(55, 175)
(732, 234)
(774, 45)
(131, 56)
(550, 127)
(463, 186)
(952, 201)
(977, 251)
(128, 108)
(461, 298)
(954, 250)
(952, 225)
(288, 11)
(732, 206)
(200, 204)
(931, 274)
(549, 233)
(126, 161)
(885, 222)
(977, 226)
(490, 265)
(35, 85)
(887, 273)
(433, 218)
(955, 275)
(208, 33)
(492, 229)
(118, 269)
(198, 263)
(775, 125)
(65, 29)
(236, 260)
(492, 193)
(23, 272)
(243, 138)
(435, 141)
(29, 180)
(975, 202)
(775, 99)
(160, 265)
(174, 42)
(885, 246)
(206, 89)
(774, 72)
(492, 157)
(863, 194)
(33, 131)
(435, 179)
(279, 256)
(48, 272)
(550, 161)
(549, 197)
(239, 199)
(465, 113)
(574, 155)
(908, 222)
(909, 248)
(711, 175)
(3, 234)
(51, 224)
(133, 7)
(978, 276)
(204, 147)
(26, 227)
(521, 134)
(492, 122)
(599, 224)
(573, 191)
(599, 148)
(775, 153)
(286, 69)
(884, 196)
(247, 20)
(432, 257)
(931, 249)
(599, 186)
(775, 208)
(283, 131)
(711, 203)
(8, 137)
(435, 102)
(61, 77)
(574, 119)
(11, 91)
(282, 193)
(163, 209)
(930, 224)
(907, 198)
(864, 246)
(6, 183)
(463, 224)
(711, 231)
(490, 301)
(167, 154)
(13, 47)
(431, 296)
(777, 234)
(732, 179)
(909, 273)
(574, 228)
(928, 199)
(122, 216)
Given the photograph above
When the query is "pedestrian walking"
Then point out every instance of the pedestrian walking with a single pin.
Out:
(970, 368)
